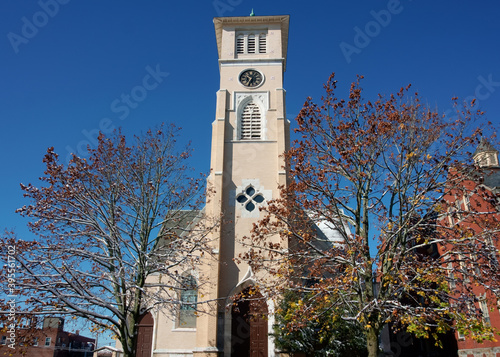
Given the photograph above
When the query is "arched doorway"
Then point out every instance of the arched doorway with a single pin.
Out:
(249, 332)
(145, 335)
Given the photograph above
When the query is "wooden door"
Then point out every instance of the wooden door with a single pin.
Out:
(258, 328)
(249, 332)
(145, 336)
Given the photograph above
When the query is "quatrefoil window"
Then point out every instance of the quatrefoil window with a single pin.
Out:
(249, 198)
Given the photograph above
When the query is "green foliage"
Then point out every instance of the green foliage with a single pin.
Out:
(324, 333)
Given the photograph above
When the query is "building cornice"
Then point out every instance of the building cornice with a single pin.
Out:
(284, 20)
(249, 62)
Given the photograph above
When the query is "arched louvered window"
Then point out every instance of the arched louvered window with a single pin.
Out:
(251, 44)
(240, 44)
(262, 43)
(251, 122)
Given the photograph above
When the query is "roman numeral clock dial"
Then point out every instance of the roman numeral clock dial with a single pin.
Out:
(251, 78)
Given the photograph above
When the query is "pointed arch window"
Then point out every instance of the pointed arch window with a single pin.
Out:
(251, 122)
(188, 300)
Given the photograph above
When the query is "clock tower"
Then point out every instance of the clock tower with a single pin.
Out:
(249, 134)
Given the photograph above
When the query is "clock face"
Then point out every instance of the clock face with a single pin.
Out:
(251, 78)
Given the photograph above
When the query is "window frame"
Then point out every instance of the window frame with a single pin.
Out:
(192, 298)
(252, 120)
(483, 306)
(252, 42)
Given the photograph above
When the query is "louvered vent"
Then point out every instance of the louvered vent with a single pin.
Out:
(262, 43)
(250, 122)
(240, 44)
(251, 43)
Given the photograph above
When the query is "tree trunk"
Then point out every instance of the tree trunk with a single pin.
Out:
(372, 342)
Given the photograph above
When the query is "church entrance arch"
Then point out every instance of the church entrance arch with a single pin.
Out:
(145, 335)
(249, 325)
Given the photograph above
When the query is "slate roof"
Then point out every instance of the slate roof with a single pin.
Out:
(492, 178)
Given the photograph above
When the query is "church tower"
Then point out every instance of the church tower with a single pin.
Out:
(249, 134)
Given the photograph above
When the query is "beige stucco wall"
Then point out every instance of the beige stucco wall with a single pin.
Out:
(172, 340)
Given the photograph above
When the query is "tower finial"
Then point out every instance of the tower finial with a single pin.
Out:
(252, 14)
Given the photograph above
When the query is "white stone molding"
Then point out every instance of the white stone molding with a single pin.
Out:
(261, 99)
(240, 207)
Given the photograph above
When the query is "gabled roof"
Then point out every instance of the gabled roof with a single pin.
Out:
(177, 224)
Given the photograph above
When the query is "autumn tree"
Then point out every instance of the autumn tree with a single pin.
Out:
(364, 221)
(114, 233)
(326, 335)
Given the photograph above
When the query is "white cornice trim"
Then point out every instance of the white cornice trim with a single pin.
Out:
(247, 141)
(253, 62)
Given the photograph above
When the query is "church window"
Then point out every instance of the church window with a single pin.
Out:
(188, 299)
(258, 198)
(240, 44)
(251, 43)
(262, 43)
(249, 198)
(250, 122)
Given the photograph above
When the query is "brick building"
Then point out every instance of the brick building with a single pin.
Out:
(479, 196)
(49, 341)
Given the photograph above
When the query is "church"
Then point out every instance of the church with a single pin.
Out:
(249, 134)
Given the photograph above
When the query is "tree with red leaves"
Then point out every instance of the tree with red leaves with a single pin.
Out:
(365, 214)
(114, 233)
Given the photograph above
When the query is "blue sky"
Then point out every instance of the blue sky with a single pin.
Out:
(68, 67)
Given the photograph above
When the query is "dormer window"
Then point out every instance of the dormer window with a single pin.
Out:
(251, 42)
